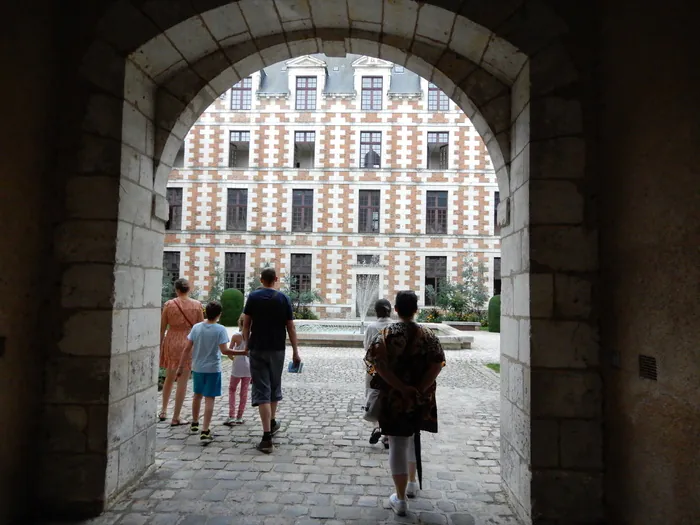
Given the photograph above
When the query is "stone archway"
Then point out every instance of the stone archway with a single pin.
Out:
(154, 70)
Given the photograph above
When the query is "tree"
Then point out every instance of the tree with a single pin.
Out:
(301, 299)
(218, 282)
(168, 289)
(466, 296)
(254, 283)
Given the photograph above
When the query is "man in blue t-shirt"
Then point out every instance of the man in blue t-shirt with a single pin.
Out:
(268, 319)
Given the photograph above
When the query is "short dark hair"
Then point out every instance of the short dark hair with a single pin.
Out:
(213, 310)
(382, 308)
(182, 285)
(268, 275)
(406, 303)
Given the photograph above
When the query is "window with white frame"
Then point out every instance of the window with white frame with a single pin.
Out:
(372, 93)
(437, 100)
(301, 272)
(242, 94)
(306, 94)
(370, 149)
(438, 150)
(234, 271)
(435, 276)
(304, 149)
(436, 212)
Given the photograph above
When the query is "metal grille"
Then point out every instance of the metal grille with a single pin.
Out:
(171, 265)
(647, 367)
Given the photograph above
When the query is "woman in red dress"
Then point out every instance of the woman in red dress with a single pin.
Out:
(178, 318)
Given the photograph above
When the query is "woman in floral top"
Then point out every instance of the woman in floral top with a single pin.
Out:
(404, 360)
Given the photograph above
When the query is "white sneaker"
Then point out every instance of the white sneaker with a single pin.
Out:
(399, 506)
(412, 489)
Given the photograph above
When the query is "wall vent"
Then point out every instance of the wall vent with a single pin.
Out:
(647, 367)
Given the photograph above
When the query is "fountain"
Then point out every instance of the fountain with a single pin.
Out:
(367, 288)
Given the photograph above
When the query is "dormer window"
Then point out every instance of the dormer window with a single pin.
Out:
(399, 69)
(372, 93)
(306, 93)
(242, 94)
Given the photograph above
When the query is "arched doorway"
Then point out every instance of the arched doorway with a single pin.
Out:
(504, 66)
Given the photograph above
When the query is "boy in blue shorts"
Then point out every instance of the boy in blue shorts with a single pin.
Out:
(207, 341)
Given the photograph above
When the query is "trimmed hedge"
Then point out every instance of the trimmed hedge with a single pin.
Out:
(232, 303)
(495, 314)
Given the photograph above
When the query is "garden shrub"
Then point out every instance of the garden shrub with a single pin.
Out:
(429, 315)
(305, 313)
(495, 314)
(232, 303)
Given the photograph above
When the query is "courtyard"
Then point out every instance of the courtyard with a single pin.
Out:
(323, 470)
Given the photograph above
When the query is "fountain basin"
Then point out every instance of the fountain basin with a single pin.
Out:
(350, 334)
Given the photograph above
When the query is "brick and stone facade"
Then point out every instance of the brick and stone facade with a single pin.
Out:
(407, 114)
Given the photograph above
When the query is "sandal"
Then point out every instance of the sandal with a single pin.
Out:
(162, 416)
(178, 423)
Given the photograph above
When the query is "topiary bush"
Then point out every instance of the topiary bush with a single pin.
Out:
(495, 314)
(232, 303)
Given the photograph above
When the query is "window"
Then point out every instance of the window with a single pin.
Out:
(304, 146)
(438, 150)
(302, 210)
(171, 267)
(301, 272)
(242, 94)
(174, 198)
(237, 210)
(372, 93)
(435, 275)
(399, 69)
(369, 211)
(496, 276)
(234, 271)
(306, 93)
(372, 260)
(239, 152)
(437, 100)
(496, 202)
(436, 220)
(370, 149)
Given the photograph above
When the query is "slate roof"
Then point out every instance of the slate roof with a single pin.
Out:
(339, 77)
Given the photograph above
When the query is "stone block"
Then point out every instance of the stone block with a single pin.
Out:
(334, 48)
(261, 17)
(161, 208)
(146, 168)
(435, 23)
(419, 66)
(119, 378)
(554, 117)
(555, 202)
(558, 158)
(128, 287)
(133, 459)
(87, 333)
(364, 47)
(120, 324)
(524, 343)
(120, 422)
(156, 56)
(147, 248)
(131, 163)
(400, 19)
(66, 428)
(225, 21)
(192, 39)
(557, 393)
(573, 296)
(139, 89)
(153, 286)
(558, 495)
(520, 91)
(144, 328)
(521, 295)
(511, 253)
(520, 204)
(564, 344)
(141, 363)
(145, 408)
(387, 51)
(509, 336)
(92, 197)
(520, 168)
(507, 296)
(304, 47)
(97, 428)
(545, 443)
(103, 116)
(73, 478)
(133, 130)
(86, 241)
(469, 39)
(87, 286)
(112, 473)
(503, 59)
(541, 294)
(134, 204)
(124, 241)
(72, 380)
(274, 54)
(365, 10)
(520, 131)
(581, 444)
(185, 85)
(564, 248)
(104, 67)
(551, 69)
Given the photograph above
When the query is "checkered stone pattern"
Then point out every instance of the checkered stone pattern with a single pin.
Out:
(336, 180)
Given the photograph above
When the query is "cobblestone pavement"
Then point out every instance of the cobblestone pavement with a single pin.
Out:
(323, 470)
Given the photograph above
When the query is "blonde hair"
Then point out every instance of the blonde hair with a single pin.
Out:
(240, 322)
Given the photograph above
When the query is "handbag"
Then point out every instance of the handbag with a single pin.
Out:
(372, 406)
(177, 303)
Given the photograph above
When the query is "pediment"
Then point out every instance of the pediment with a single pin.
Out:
(306, 61)
(371, 62)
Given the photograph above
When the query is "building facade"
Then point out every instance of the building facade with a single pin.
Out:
(335, 171)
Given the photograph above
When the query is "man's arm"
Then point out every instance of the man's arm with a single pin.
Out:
(247, 321)
(292, 331)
